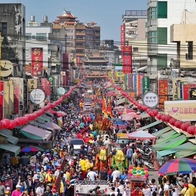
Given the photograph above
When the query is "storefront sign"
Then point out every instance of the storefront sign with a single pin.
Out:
(186, 89)
(176, 87)
(162, 92)
(151, 99)
(51, 80)
(16, 94)
(32, 84)
(37, 96)
(1, 100)
(181, 110)
(119, 74)
(130, 81)
(37, 61)
(145, 84)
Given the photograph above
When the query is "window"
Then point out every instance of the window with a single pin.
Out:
(41, 37)
(162, 35)
(28, 36)
(162, 9)
(162, 61)
(135, 49)
(152, 13)
(189, 54)
(152, 37)
(3, 29)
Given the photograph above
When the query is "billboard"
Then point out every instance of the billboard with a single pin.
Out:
(16, 82)
(162, 92)
(184, 110)
(37, 61)
(122, 34)
(1, 100)
(126, 53)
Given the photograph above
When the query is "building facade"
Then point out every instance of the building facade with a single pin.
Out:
(12, 28)
(133, 33)
(169, 36)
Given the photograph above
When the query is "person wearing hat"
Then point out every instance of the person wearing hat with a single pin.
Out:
(17, 191)
(7, 191)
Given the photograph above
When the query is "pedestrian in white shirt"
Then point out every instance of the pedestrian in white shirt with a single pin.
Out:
(91, 175)
(146, 190)
(40, 189)
(115, 174)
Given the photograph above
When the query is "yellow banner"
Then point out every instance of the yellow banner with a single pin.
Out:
(110, 74)
(32, 84)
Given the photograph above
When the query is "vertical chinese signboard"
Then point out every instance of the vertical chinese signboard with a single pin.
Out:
(139, 83)
(21, 90)
(122, 35)
(37, 61)
(1, 100)
(126, 52)
(16, 94)
(135, 83)
(162, 92)
(130, 81)
(145, 84)
(51, 80)
(176, 87)
(46, 87)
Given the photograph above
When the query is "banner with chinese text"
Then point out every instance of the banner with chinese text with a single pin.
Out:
(176, 86)
(145, 84)
(37, 61)
(186, 90)
(45, 84)
(21, 90)
(184, 110)
(1, 100)
(122, 35)
(16, 94)
(130, 81)
(162, 92)
(135, 82)
(139, 83)
(126, 53)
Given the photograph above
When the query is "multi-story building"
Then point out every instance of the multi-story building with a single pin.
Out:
(80, 36)
(133, 31)
(171, 29)
(12, 28)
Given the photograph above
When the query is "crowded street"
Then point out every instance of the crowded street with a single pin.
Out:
(93, 152)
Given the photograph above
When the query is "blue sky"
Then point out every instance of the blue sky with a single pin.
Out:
(106, 13)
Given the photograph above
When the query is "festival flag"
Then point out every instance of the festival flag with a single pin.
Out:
(104, 107)
(110, 112)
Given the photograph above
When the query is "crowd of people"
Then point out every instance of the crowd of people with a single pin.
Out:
(38, 173)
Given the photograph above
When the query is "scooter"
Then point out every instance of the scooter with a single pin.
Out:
(149, 165)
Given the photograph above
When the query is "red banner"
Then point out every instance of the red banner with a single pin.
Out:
(122, 33)
(37, 61)
(17, 92)
(126, 53)
(162, 92)
(45, 84)
(65, 62)
(186, 89)
(1, 100)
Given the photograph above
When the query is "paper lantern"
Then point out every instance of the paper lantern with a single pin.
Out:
(190, 130)
(12, 124)
(178, 124)
(187, 124)
(155, 112)
(183, 127)
(1, 125)
(167, 118)
(5, 123)
(158, 116)
(172, 121)
(195, 131)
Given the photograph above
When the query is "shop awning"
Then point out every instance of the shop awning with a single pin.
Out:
(43, 118)
(165, 153)
(10, 148)
(150, 125)
(41, 125)
(11, 139)
(144, 115)
(171, 144)
(162, 131)
(168, 134)
(185, 150)
(167, 138)
(35, 133)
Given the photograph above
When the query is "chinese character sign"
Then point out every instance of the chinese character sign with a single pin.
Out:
(122, 32)
(186, 90)
(139, 84)
(130, 81)
(162, 92)
(1, 100)
(32, 84)
(181, 110)
(46, 87)
(37, 61)
(176, 87)
(126, 52)
(145, 84)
